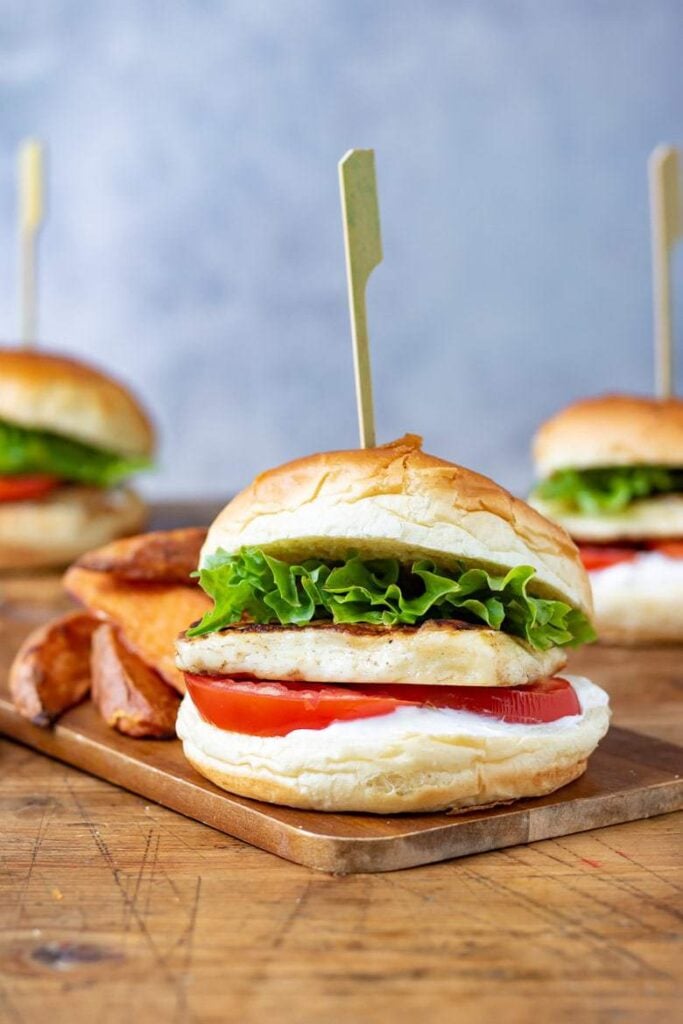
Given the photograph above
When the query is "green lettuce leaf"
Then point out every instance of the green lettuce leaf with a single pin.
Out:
(602, 491)
(255, 586)
(36, 451)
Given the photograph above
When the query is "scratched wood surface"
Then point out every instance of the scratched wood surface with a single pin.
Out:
(630, 776)
(114, 910)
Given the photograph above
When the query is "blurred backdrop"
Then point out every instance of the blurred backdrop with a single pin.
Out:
(194, 240)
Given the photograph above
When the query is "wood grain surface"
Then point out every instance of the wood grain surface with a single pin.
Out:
(115, 910)
(630, 776)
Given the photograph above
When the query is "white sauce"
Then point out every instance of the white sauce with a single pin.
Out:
(402, 722)
(648, 572)
(446, 721)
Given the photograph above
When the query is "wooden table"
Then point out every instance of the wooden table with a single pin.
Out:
(112, 910)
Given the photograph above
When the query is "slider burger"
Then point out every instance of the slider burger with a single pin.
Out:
(611, 472)
(386, 635)
(69, 436)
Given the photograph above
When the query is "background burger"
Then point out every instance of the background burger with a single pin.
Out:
(69, 437)
(611, 472)
(385, 636)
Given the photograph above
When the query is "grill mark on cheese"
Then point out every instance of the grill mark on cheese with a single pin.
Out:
(354, 629)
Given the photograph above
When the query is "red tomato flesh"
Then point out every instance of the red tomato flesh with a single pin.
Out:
(268, 708)
(670, 548)
(602, 556)
(25, 488)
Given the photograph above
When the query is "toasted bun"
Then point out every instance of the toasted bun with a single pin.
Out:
(398, 501)
(41, 391)
(416, 759)
(640, 602)
(612, 430)
(647, 518)
(55, 530)
(438, 653)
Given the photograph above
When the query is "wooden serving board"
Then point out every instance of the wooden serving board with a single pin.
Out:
(630, 776)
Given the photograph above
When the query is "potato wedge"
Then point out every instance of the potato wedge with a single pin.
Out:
(164, 556)
(51, 671)
(149, 615)
(130, 696)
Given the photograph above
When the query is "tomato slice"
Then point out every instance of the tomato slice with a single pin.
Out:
(274, 709)
(602, 556)
(24, 488)
(270, 708)
(670, 548)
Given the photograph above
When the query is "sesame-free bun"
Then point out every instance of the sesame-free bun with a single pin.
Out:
(611, 430)
(52, 531)
(43, 391)
(415, 759)
(397, 501)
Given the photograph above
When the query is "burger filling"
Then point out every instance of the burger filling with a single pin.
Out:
(271, 708)
(605, 491)
(389, 605)
(597, 557)
(34, 462)
(253, 586)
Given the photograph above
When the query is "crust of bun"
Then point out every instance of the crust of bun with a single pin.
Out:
(640, 602)
(398, 501)
(611, 430)
(43, 391)
(647, 518)
(51, 532)
(429, 795)
(399, 770)
(438, 653)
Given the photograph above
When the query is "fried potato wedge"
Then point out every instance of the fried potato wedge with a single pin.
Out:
(51, 671)
(130, 696)
(164, 556)
(149, 615)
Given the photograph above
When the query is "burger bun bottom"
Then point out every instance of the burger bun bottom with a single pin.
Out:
(53, 531)
(640, 602)
(412, 760)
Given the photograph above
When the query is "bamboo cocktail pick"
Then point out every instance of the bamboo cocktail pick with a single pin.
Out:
(666, 214)
(31, 209)
(363, 247)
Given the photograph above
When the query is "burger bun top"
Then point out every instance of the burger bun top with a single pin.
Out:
(397, 501)
(61, 395)
(611, 430)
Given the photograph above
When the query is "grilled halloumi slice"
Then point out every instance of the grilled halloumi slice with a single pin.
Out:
(440, 652)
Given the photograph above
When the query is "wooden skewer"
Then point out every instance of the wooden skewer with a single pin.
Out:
(363, 247)
(31, 211)
(666, 214)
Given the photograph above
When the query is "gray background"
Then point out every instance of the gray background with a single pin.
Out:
(194, 240)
